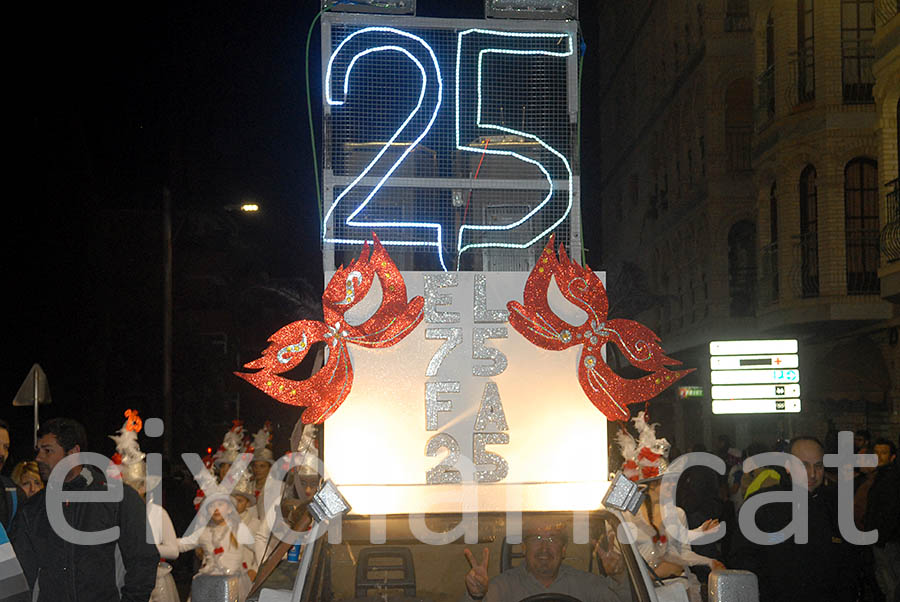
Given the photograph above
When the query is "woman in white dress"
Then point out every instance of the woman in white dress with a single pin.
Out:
(664, 542)
(133, 470)
(223, 551)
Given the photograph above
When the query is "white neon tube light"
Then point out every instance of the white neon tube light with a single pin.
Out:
(460, 248)
(389, 31)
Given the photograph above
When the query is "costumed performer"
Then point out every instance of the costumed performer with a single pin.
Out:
(263, 458)
(646, 461)
(130, 460)
(224, 552)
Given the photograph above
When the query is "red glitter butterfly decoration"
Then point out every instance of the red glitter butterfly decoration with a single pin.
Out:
(537, 322)
(326, 390)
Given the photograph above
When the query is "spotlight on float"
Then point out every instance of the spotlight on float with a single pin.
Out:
(531, 9)
(327, 503)
(382, 7)
(623, 495)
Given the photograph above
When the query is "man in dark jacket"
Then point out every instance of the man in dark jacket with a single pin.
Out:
(883, 513)
(76, 570)
(792, 572)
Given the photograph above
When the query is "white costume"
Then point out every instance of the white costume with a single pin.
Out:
(647, 458)
(164, 532)
(132, 470)
(221, 555)
(656, 549)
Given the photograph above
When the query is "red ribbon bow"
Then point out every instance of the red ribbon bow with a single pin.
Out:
(536, 321)
(324, 392)
(218, 550)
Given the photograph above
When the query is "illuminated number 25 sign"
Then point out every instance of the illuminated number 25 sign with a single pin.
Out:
(445, 137)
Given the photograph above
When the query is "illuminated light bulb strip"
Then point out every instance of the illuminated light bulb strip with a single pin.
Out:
(568, 52)
(328, 97)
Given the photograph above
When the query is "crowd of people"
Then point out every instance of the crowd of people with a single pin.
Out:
(826, 567)
(233, 537)
(98, 549)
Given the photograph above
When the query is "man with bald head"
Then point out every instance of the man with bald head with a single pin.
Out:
(542, 572)
(789, 571)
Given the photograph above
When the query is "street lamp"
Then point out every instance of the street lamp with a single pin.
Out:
(244, 207)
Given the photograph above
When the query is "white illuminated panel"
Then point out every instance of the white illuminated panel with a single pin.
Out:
(782, 346)
(754, 391)
(753, 362)
(730, 377)
(755, 406)
(374, 445)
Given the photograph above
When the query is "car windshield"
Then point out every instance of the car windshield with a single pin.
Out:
(351, 567)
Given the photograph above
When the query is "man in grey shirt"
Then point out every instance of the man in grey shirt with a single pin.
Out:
(542, 572)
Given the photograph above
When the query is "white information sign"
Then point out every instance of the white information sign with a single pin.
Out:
(733, 377)
(753, 362)
(755, 391)
(754, 377)
(755, 406)
(465, 398)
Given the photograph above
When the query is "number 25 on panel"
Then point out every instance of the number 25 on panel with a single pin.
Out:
(473, 46)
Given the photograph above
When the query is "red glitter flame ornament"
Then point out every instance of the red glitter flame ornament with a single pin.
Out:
(324, 392)
(534, 320)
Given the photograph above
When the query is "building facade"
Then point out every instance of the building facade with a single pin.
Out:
(743, 171)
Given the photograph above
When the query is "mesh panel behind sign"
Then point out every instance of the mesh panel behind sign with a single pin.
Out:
(454, 141)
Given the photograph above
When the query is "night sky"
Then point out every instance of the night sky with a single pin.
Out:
(112, 103)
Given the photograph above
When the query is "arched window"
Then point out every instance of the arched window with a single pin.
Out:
(857, 52)
(809, 233)
(738, 124)
(806, 64)
(861, 225)
(737, 15)
(742, 269)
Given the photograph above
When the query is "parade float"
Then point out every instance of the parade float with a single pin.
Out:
(461, 376)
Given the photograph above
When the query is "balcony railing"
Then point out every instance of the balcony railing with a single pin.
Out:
(857, 276)
(890, 234)
(737, 144)
(765, 97)
(857, 57)
(802, 74)
(805, 268)
(742, 290)
(768, 275)
(885, 10)
(737, 22)
(862, 262)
